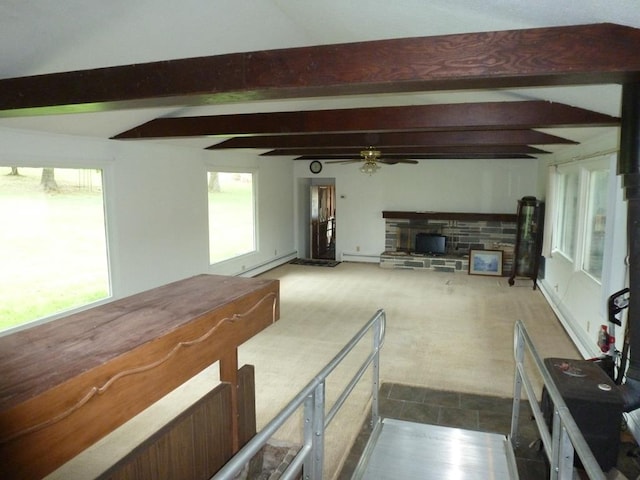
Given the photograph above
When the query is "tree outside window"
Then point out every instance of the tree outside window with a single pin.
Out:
(53, 247)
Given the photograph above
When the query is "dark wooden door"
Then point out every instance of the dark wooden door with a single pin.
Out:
(323, 229)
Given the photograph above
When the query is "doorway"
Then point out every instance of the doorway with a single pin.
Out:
(323, 221)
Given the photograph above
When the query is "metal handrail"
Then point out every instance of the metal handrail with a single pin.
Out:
(565, 437)
(310, 457)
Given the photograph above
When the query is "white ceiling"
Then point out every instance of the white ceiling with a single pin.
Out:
(44, 36)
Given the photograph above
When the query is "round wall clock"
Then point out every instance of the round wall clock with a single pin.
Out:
(315, 166)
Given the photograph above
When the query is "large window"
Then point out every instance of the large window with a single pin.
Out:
(567, 213)
(596, 221)
(231, 215)
(53, 249)
(582, 193)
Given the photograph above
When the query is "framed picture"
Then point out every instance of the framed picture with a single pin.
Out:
(485, 262)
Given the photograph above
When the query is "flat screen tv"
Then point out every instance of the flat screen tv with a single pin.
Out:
(430, 243)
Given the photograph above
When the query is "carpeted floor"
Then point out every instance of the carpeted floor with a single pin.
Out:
(445, 331)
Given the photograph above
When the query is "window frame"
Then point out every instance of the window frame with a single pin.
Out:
(584, 170)
(587, 237)
(254, 204)
(560, 223)
(106, 166)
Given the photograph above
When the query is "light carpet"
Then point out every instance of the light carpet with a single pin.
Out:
(448, 331)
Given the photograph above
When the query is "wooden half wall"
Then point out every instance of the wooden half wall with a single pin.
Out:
(67, 383)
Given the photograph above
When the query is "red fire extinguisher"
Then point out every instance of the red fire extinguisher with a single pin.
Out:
(605, 341)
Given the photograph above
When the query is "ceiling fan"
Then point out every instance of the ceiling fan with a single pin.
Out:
(371, 160)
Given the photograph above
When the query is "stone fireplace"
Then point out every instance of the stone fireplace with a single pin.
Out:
(463, 231)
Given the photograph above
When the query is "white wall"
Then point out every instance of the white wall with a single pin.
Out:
(482, 186)
(579, 300)
(157, 214)
(156, 207)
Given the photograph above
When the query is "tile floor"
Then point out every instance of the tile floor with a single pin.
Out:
(473, 412)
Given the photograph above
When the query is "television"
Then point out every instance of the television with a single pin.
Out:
(430, 243)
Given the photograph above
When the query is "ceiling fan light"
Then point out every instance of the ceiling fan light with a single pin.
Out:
(369, 167)
(370, 158)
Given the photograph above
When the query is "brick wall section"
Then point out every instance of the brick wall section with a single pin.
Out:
(462, 235)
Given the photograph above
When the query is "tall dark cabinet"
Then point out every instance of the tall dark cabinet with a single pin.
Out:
(528, 248)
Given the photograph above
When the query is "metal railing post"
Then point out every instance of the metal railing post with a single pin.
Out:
(317, 452)
(517, 387)
(565, 439)
(565, 455)
(309, 408)
(554, 461)
(377, 338)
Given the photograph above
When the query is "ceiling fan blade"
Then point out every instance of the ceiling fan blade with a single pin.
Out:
(393, 161)
(342, 161)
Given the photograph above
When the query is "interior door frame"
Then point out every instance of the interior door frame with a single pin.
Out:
(331, 218)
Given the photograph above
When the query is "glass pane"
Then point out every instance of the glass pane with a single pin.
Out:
(528, 228)
(231, 215)
(53, 248)
(567, 213)
(596, 222)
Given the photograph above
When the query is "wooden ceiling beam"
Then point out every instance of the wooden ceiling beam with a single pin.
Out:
(454, 116)
(566, 55)
(409, 151)
(395, 139)
(435, 156)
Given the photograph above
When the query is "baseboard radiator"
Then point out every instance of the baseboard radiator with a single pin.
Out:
(360, 257)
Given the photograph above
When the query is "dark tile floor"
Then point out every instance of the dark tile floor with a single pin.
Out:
(473, 412)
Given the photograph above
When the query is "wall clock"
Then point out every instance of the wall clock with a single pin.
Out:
(315, 167)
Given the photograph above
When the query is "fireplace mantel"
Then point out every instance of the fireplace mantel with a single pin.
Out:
(489, 217)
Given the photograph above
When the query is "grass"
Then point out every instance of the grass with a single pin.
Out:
(52, 248)
(232, 208)
(53, 254)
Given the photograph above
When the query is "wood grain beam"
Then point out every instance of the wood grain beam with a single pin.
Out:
(461, 216)
(454, 116)
(409, 151)
(567, 55)
(434, 156)
(395, 139)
